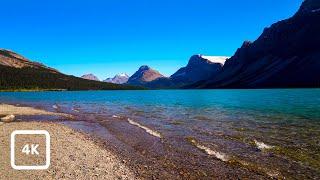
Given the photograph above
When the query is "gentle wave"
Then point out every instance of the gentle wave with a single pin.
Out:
(115, 116)
(271, 173)
(75, 110)
(218, 155)
(262, 145)
(148, 130)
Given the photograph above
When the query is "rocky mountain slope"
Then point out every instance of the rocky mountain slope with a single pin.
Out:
(11, 59)
(118, 79)
(198, 68)
(287, 54)
(144, 75)
(91, 77)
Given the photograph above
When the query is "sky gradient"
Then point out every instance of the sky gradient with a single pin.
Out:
(114, 36)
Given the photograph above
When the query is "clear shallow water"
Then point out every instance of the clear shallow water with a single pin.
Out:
(228, 123)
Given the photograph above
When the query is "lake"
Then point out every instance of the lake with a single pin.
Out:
(268, 132)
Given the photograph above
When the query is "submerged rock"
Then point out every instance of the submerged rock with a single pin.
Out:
(8, 118)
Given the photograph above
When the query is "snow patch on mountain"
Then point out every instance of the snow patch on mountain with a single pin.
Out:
(215, 59)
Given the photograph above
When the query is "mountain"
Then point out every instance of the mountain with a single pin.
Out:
(286, 55)
(90, 77)
(118, 79)
(19, 73)
(144, 75)
(198, 68)
(11, 59)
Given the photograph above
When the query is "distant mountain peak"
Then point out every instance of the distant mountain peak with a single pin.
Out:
(199, 68)
(90, 77)
(143, 75)
(120, 78)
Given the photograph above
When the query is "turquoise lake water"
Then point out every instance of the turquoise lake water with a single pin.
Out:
(284, 122)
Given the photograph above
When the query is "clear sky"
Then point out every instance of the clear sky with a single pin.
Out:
(106, 37)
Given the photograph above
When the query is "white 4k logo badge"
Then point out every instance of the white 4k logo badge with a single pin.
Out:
(30, 150)
(26, 149)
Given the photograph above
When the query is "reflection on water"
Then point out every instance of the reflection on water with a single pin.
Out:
(276, 132)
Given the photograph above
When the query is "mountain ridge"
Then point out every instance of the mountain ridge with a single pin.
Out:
(13, 59)
(285, 55)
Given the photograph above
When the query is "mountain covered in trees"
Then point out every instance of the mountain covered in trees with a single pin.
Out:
(19, 73)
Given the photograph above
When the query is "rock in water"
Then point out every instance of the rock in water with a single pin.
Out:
(9, 118)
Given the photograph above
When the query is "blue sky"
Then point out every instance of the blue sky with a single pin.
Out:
(106, 37)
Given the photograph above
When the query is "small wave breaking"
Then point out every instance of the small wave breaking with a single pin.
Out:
(115, 116)
(262, 145)
(218, 155)
(148, 130)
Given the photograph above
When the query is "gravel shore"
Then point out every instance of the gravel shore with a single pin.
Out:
(6, 109)
(73, 155)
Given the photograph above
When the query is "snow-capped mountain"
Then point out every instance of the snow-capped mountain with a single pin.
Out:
(118, 79)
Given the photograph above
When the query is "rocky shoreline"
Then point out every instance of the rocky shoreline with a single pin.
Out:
(74, 155)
